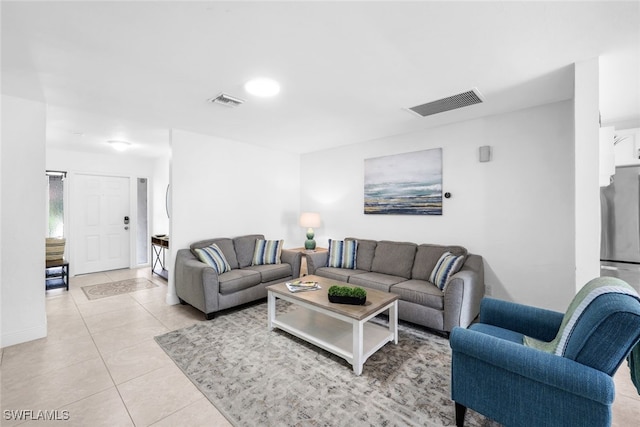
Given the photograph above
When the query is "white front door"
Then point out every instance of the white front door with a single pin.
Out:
(101, 221)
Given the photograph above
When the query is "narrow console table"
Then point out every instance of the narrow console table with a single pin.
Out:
(56, 274)
(159, 245)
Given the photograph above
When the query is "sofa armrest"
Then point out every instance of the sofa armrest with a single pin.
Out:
(535, 322)
(534, 366)
(316, 260)
(196, 282)
(293, 258)
(463, 294)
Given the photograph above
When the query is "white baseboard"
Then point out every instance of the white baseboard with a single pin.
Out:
(34, 333)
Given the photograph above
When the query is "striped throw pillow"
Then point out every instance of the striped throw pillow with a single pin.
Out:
(267, 252)
(213, 256)
(342, 253)
(447, 266)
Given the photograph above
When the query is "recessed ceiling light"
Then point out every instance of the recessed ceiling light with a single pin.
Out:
(119, 145)
(262, 87)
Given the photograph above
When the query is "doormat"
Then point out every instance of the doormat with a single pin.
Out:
(110, 289)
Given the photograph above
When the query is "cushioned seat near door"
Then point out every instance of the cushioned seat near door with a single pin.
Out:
(565, 378)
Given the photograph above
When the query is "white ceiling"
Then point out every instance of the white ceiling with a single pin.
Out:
(348, 70)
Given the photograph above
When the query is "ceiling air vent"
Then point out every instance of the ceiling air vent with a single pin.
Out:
(449, 103)
(224, 99)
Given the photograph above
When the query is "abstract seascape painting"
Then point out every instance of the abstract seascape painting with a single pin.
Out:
(404, 184)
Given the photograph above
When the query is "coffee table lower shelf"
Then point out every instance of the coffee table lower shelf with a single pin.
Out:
(351, 339)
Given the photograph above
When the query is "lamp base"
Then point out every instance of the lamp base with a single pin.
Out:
(309, 244)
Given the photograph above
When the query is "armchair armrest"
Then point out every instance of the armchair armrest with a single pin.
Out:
(534, 366)
(535, 322)
(293, 258)
(316, 260)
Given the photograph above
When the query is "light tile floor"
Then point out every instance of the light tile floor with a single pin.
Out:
(100, 363)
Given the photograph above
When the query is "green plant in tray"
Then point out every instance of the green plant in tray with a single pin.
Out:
(347, 291)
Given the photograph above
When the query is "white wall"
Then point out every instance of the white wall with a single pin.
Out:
(116, 164)
(22, 232)
(516, 210)
(627, 151)
(224, 188)
(159, 218)
(587, 163)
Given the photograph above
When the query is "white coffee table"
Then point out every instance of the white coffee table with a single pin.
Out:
(341, 329)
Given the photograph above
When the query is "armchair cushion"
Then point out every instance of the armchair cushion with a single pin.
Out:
(591, 320)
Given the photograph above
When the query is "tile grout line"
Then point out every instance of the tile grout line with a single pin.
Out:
(105, 364)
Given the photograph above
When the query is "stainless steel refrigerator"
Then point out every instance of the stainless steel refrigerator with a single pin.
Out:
(620, 204)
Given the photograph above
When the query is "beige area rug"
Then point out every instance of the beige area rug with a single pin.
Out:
(260, 378)
(110, 289)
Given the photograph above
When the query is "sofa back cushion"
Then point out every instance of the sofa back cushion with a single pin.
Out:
(366, 251)
(225, 245)
(245, 247)
(394, 258)
(427, 257)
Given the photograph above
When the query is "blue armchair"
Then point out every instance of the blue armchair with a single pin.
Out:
(493, 373)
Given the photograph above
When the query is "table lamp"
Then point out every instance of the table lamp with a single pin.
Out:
(310, 220)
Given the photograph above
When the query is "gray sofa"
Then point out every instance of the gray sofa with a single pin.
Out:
(200, 286)
(404, 269)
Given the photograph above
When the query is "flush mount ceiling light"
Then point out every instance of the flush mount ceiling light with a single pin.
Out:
(262, 87)
(119, 145)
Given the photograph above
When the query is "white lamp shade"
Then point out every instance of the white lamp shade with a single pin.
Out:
(310, 220)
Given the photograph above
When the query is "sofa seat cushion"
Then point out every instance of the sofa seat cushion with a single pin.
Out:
(378, 281)
(270, 272)
(237, 280)
(420, 292)
(340, 274)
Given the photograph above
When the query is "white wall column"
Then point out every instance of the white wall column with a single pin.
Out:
(172, 297)
(587, 188)
(22, 228)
